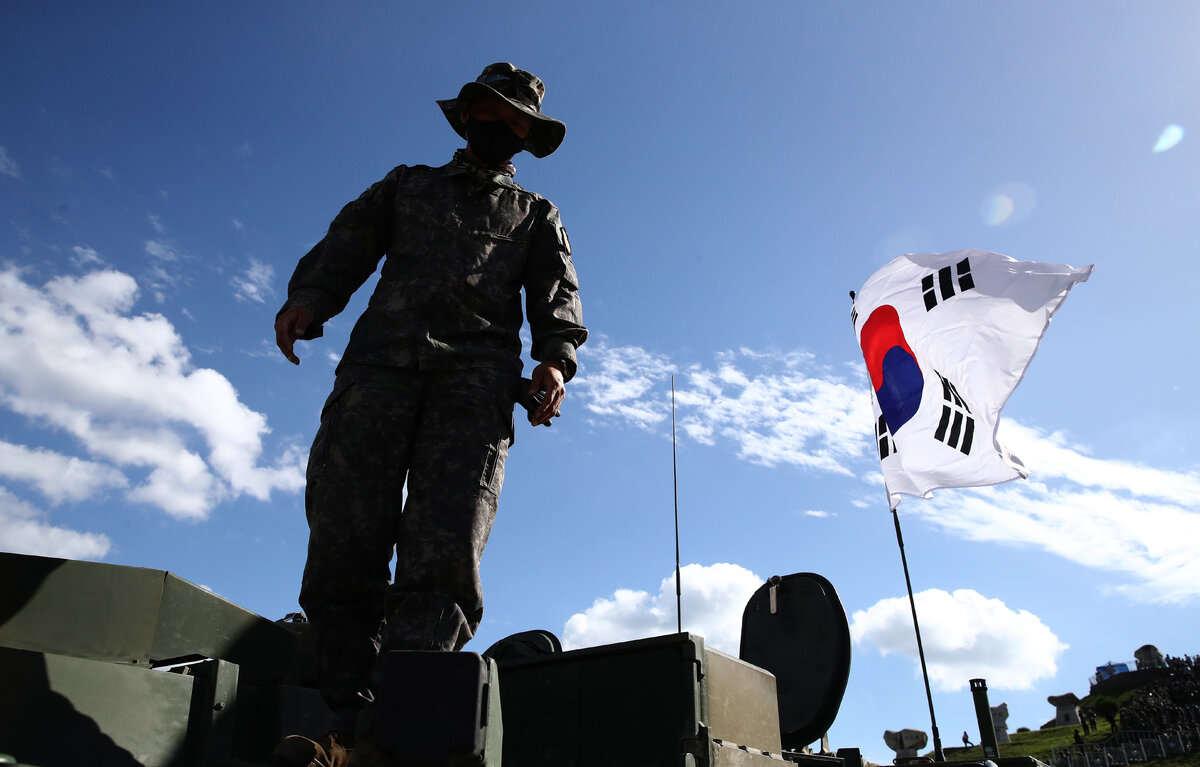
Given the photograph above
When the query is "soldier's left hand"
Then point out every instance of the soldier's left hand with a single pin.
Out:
(547, 377)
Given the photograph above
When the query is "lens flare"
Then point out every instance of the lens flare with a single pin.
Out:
(1171, 135)
(996, 209)
(1007, 204)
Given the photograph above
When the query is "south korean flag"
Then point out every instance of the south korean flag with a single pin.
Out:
(946, 338)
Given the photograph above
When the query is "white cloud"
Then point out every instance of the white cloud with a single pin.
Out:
(75, 358)
(22, 531)
(1049, 455)
(58, 477)
(245, 150)
(162, 274)
(156, 222)
(85, 257)
(966, 636)
(161, 250)
(1138, 523)
(8, 167)
(713, 599)
(781, 408)
(818, 514)
(255, 283)
(1151, 544)
(620, 382)
(776, 408)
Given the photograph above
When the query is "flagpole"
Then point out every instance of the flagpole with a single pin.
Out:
(912, 603)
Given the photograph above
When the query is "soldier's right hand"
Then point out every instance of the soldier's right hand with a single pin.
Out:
(289, 327)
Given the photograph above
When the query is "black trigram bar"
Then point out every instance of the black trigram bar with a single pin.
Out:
(887, 445)
(956, 427)
(950, 394)
(943, 288)
(854, 317)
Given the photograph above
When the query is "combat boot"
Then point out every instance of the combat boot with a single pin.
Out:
(299, 751)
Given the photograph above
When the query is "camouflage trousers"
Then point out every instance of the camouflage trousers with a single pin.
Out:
(446, 435)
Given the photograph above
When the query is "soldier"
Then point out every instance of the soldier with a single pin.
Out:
(424, 394)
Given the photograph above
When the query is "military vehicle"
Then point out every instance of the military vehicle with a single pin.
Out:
(104, 665)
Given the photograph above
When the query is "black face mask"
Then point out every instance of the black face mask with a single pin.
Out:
(491, 141)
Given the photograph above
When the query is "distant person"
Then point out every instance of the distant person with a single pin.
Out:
(422, 408)
(967, 740)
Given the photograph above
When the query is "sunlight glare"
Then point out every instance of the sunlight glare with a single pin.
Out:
(1171, 135)
(997, 208)
(1007, 204)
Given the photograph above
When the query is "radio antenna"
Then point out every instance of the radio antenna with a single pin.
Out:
(675, 483)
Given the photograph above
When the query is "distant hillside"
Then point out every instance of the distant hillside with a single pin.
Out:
(1040, 744)
(1161, 700)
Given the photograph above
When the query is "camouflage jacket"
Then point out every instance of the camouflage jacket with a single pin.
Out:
(461, 242)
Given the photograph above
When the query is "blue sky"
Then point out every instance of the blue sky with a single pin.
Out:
(730, 172)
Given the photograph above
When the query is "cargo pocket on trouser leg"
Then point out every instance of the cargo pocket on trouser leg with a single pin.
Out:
(329, 430)
(457, 474)
(491, 478)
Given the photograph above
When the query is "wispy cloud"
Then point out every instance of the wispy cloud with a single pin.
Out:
(1135, 522)
(1147, 547)
(161, 249)
(1050, 455)
(57, 477)
(77, 359)
(966, 635)
(162, 274)
(255, 283)
(8, 166)
(624, 384)
(776, 408)
(84, 257)
(713, 599)
(60, 170)
(23, 530)
(155, 222)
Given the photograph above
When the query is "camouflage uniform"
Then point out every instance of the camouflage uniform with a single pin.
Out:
(423, 396)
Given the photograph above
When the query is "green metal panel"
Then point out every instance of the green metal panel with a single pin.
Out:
(131, 615)
(727, 755)
(493, 747)
(75, 608)
(742, 703)
(210, 735)
(193, 622)
(73, 711)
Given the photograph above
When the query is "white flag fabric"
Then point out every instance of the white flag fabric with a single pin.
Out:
(946, 338)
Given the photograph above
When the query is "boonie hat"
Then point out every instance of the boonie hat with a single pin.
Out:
(524, 90)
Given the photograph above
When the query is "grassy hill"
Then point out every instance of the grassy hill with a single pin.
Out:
(1134, 698)
(1040, 743)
